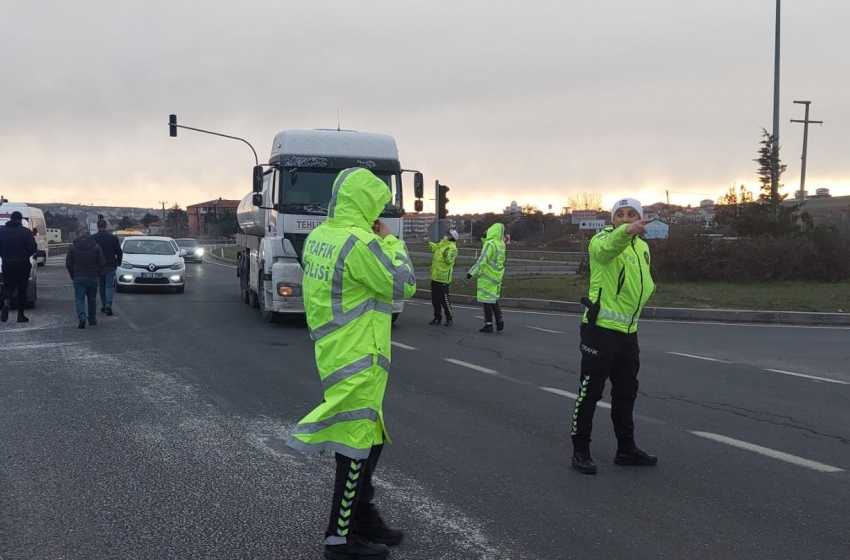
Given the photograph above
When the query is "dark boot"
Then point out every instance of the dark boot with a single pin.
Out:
(449, 322)
(103, 309)
(82, 324)
(500, 326)
(4, 313)
(22, 318)
(583, 462)
(370, 526)
(356, 549)
(92, 321)
(487, 328)
(435, 321)
(635, 457)
(109, 312)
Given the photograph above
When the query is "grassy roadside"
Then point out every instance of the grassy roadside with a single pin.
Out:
(779, 296)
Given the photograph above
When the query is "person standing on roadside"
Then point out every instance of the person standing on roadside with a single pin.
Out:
(112, 255)
(442, 269)
(17, 246)
(620, 285)
(354, 270)
(488, 271)
(85, 264)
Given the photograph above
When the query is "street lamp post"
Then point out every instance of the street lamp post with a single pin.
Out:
(774, 178)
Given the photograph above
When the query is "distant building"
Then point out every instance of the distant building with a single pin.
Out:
(514, 210)
(826, 210)
(199, 214)
(657, 229)
(591, 225)
(54, 235)
(579, 216)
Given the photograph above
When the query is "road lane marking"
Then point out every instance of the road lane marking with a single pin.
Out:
(805, 376)
(573, 396)
(694, 356)
(403, 346)
(767, 452)
(545, 330)
(461, 363)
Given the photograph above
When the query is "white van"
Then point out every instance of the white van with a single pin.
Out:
(33, 220)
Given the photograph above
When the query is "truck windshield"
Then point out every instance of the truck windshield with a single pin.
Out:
(312, 192)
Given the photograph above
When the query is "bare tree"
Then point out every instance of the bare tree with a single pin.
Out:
(586, 201)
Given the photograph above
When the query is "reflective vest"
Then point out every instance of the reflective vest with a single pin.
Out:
(620, 278)
(351, 279)
(489, 269)
(443, 260)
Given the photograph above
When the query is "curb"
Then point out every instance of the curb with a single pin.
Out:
(674, 313)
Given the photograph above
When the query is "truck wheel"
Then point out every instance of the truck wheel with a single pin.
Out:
(267, 314)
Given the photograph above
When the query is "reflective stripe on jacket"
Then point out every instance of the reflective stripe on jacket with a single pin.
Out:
(351, 279)
(443, 260)
(620, 278)
(489, 269)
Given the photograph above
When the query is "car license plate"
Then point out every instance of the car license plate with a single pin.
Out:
(151, 275)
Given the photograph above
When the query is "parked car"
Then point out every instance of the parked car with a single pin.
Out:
(190, 250)
(151, 261)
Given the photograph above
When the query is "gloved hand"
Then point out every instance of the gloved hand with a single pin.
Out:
(468, 276)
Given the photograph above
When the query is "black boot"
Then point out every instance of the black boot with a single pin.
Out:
(500, 326)
(583, 462)
(92, 321)
(635, 457)
(4, 313)
(487, 328)
(22, 318)
(370, 526)
(435, 321)
(82, 324)
(103, 309)
(356, 549)
(449, 322)
(109, 312)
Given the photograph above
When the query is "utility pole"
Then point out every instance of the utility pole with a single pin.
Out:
(163, 211)
(668, 197)
(806, 122)
(774, 178)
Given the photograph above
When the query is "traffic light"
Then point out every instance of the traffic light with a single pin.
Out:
(172, 126)
(442, 201)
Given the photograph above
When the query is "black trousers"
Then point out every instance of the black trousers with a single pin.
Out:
(491, 309)
(15, 279)
(606, 354)
(353, 494)
(440, 300)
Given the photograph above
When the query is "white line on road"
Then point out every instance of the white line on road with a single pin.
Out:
(805, 376)
(482, 369)
(403, 346)
(767, 452)
(694, 356)
(545, 330)
(573, 396)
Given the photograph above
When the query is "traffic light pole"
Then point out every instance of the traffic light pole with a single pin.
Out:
(173, 126)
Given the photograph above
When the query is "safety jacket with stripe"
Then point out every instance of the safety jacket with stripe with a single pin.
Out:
(620, 278)
(489, 269)
(443, 260)
(351, 279)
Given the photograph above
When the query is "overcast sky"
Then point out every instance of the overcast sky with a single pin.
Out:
(529, 101)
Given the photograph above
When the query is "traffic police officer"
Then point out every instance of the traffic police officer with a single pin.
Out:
(488, 271)
(620, 285)
(442, 269)
(352, 276)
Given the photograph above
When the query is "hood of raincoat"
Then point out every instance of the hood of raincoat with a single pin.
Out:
(358, 198)
(495, 232)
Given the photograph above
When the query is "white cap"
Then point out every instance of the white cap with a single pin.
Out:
(628, 203)
(454, 234)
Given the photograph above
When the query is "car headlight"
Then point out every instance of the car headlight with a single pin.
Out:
(127, 277)
(199, 252)
(176, 266)
(175, 278)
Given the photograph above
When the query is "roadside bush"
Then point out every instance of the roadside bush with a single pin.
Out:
(820, 255)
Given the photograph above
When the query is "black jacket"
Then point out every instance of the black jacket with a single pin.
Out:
(85, 259)
(111, 248)
(17, 243)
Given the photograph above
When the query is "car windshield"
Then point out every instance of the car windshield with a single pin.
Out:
(311, 192)
(148, 247)
(187, 243)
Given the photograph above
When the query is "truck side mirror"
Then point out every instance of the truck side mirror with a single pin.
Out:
(257, 199)
(418, 185)
(258, 178)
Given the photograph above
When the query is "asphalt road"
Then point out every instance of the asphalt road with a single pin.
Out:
(160, 434)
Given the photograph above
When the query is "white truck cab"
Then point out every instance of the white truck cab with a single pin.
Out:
(34, 221)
